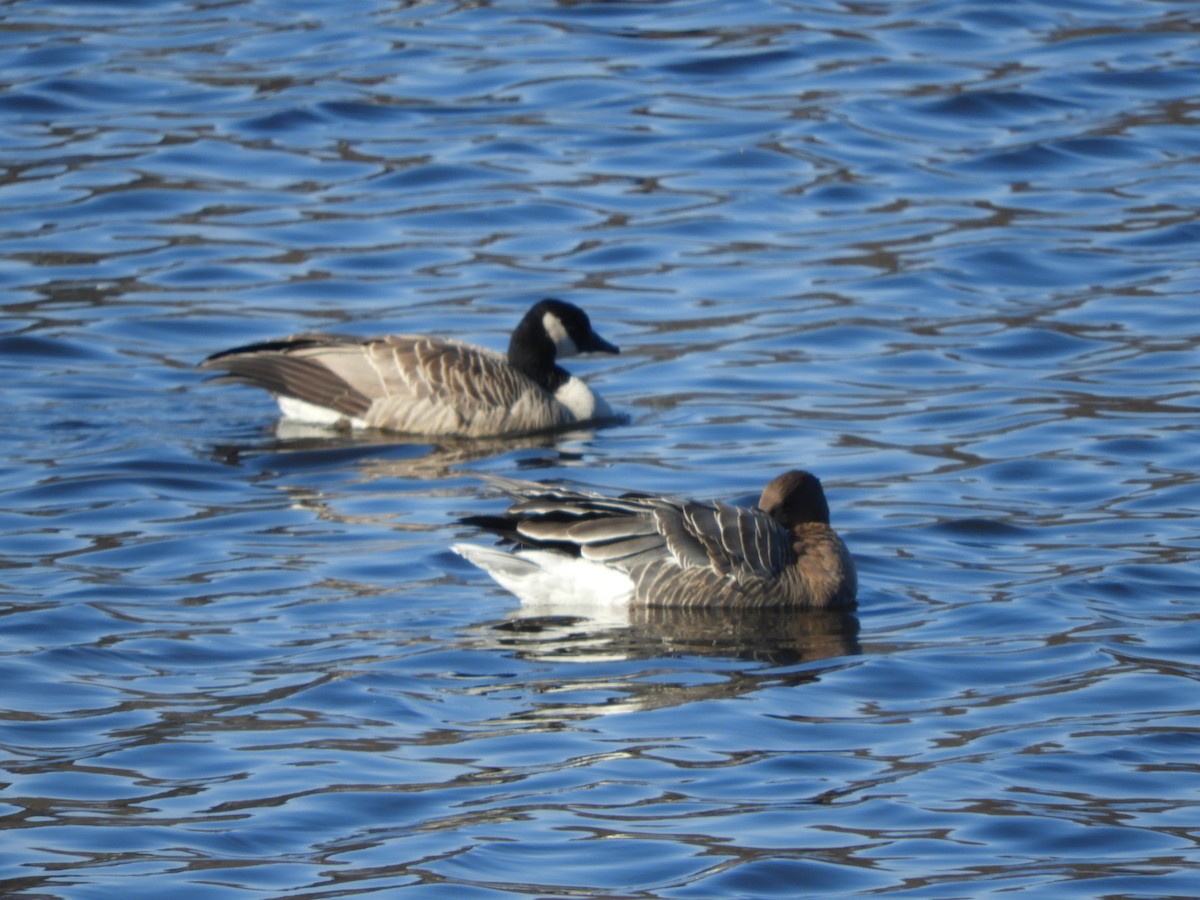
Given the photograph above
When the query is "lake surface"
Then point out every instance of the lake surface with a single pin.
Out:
(944, 254)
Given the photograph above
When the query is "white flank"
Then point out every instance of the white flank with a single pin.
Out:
(557, 332)
(310, 413)
(543, 578)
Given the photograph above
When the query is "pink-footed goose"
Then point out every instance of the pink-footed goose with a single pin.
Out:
(663, 551)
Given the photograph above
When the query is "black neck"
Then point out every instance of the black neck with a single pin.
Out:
(532, 353)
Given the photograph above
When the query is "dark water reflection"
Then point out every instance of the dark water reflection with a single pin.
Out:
(940, 253)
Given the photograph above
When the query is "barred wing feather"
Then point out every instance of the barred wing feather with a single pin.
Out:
(406, 383)
(423, 367)
(289, 367)
(615, 531)
(744, 543)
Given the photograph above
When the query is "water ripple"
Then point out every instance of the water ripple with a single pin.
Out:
(940, 254)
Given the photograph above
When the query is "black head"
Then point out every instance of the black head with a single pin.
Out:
(794, 498)
(552, 329)
(566, 326)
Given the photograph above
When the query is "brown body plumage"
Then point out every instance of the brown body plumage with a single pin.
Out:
(680, 552)
(429, 385)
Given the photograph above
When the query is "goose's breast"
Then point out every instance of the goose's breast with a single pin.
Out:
(579, 400)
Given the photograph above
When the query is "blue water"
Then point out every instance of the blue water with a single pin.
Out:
(941, 253)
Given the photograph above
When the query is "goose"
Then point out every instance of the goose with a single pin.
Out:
(418, 384)
(661, 551)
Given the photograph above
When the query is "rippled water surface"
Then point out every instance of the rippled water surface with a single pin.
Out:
(942, 253)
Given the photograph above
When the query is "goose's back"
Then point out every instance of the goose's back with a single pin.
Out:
(444, 386)
(688, 553)
(774, 568)
(400, 382)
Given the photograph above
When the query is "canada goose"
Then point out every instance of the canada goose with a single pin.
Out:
(429, 385)
(662, 551)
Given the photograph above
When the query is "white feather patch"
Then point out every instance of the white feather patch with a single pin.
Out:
(576, 396)
(310, 413)
(545, 579)
(557, 332)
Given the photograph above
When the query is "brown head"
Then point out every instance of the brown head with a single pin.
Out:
(794, 498)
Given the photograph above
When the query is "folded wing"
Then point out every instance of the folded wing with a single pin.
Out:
(407, 383)
(636, 530)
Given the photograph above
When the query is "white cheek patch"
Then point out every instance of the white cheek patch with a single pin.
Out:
(557, 332)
